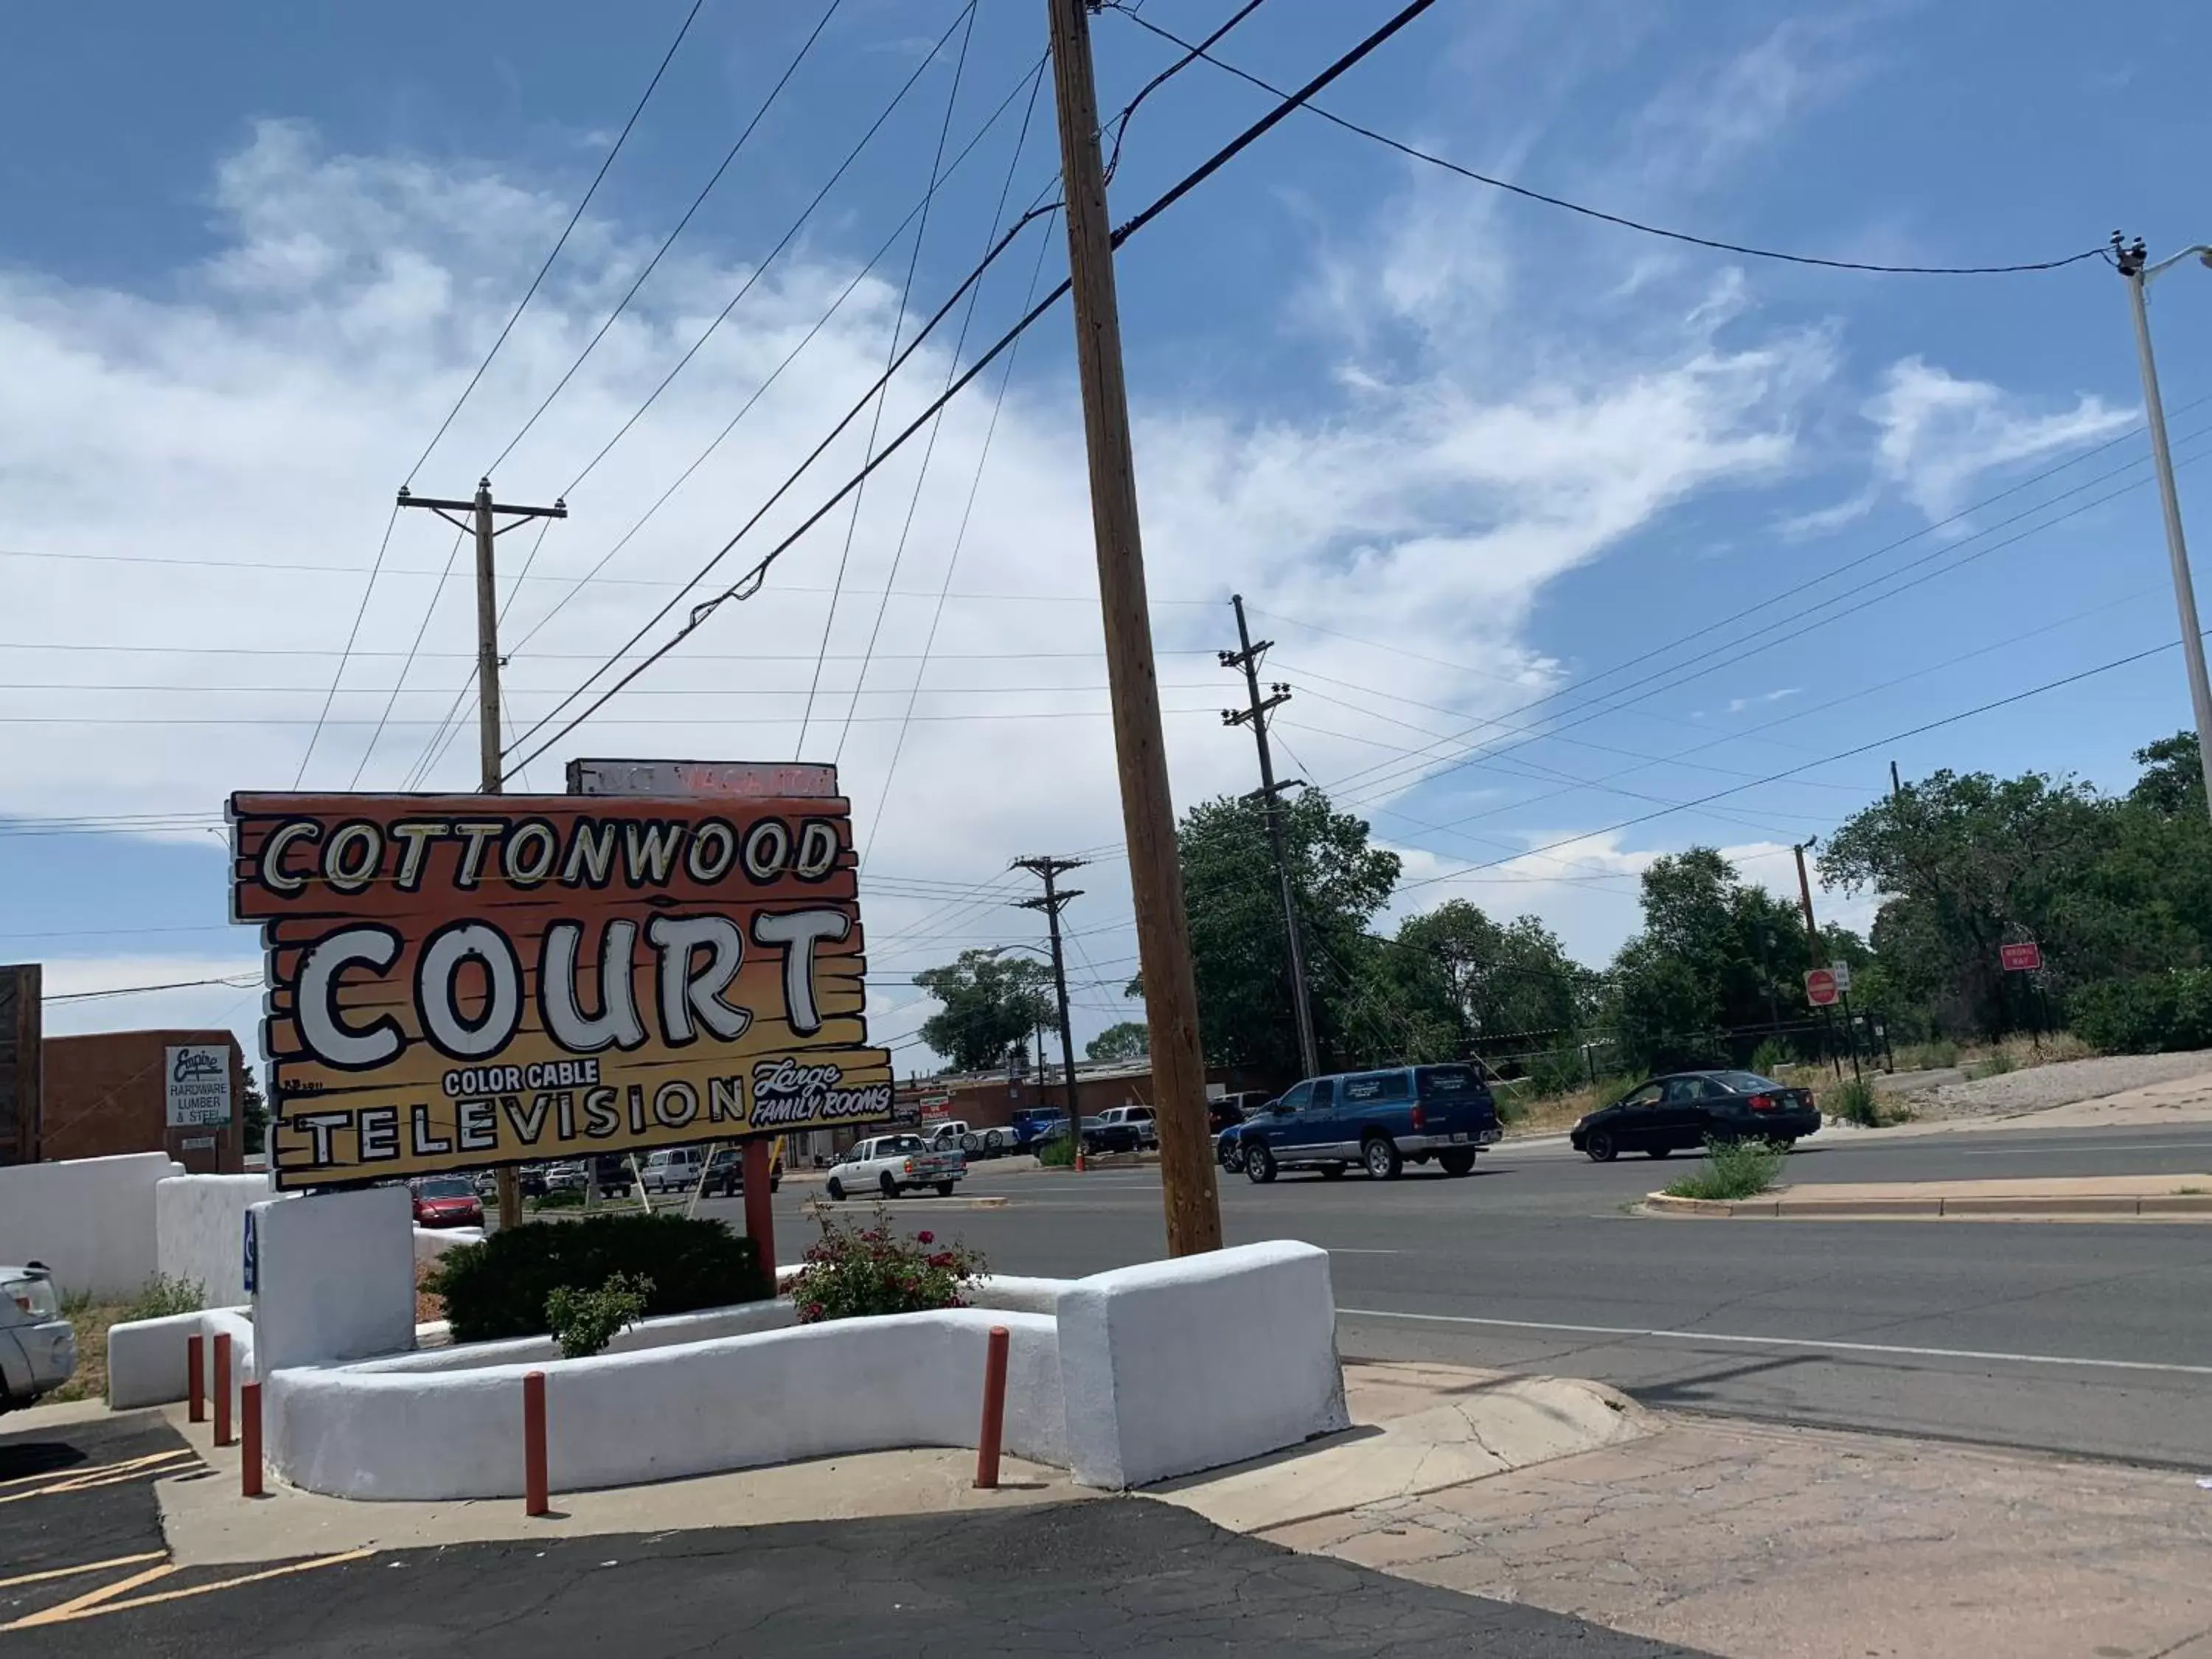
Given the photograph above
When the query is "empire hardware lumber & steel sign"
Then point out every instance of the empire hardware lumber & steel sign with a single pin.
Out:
(459, 981)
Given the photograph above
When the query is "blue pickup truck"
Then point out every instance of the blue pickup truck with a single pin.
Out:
(1380, 1120)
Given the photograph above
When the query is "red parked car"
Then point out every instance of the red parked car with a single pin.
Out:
(448, 1202)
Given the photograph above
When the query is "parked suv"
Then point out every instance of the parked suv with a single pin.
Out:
(1378, 1120)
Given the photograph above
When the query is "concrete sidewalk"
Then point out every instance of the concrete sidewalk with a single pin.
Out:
(1776, 1543)
(2049, 1198)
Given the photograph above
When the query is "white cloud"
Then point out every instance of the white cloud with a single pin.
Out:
(1939, 435)
(1737, 705)
(261, 407)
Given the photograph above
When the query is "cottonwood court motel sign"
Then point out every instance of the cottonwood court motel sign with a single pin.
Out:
(462, 980)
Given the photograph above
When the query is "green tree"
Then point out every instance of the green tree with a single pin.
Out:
(1454, 982)
(991, 1003)
(1717, 954)
(253, 1115)
(1132, 1039)
(1235, 905)
(1965, 862)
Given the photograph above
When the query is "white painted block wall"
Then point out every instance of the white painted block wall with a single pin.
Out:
(90, 1219)
(1173, 1367)
(200, 1228)
(336, 1277)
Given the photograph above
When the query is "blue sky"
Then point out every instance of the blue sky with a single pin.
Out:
(1461, 451)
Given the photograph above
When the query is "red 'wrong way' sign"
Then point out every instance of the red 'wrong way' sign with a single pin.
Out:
(2020, 958)
(1820, 987)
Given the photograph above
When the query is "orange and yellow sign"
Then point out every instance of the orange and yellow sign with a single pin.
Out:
(470, 980)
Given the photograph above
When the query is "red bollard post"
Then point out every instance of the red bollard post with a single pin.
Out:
(249, 1462)
(535, 1500)
(760, 1218)
(222, 1435)
(196, 1382)
(995, 1408)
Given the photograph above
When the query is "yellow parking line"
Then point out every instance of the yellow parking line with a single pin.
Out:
(93, 1605)
(67, 1573)
(88, 1602)
(80, 1471)
(146, 1469)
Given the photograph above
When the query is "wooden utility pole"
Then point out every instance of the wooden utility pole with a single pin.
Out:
(484, 516)
(1051, 902)
(1269, 794)
(1813, 955)
(1186, 1173)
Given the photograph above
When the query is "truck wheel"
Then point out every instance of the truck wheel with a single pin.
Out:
(890, 1187)
(1457, 1162)
(1232, 1160)
(971, 1142)
(994, 1143)
(1259, 1165)
(1381, 1157)
(835, 1189)
(1331, 1172)
(945, 1190)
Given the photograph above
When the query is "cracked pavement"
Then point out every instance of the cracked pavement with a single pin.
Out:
(1117, 1577)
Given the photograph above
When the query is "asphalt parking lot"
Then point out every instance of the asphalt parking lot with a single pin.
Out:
(78, 1512)
(1120, 1576)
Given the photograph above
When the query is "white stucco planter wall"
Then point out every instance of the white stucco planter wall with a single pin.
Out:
(1177, 1366)
(199, 1232)
(431, 1244)
(404, 1433)
(739, 1320)
(91, 1220)
(148, 1360)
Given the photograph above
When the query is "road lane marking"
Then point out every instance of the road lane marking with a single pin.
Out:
(1636, 1333)
(71, 1572)
(93, 1605)
(2088, 1152)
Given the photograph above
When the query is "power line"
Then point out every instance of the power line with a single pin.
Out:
(1824, 760)
(750, 583)
(929, 449)
(775, 373)
(530, 292)
(1682, 677)
(233, 981)
(959, 542)
(352, 634)
(429, 610)
(883, 393)
(1419, 155)
(659, 253)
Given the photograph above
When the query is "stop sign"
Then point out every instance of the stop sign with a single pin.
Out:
(1820, 987)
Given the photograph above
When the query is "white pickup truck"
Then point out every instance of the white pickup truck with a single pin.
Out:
(889, 1164)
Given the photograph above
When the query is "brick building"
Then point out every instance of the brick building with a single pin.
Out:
(107, 1093)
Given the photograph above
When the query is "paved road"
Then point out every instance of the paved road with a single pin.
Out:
(1125, 1576)
(2087, 1338)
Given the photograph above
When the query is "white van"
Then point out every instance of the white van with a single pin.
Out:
(674, 1168)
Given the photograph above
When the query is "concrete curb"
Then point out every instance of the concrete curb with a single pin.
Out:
(2167, 1207)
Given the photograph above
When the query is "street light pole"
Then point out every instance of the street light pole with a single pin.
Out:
(2134, 266)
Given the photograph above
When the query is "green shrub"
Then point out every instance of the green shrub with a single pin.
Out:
(1936, 1056)
(1732, 1169)
(585, 1321)
(500, 1288)
(2155, 1014)
(163, 1296)
(1770, 1056)
(855, 1273)
(1995, 1063)
(1853, 1101)
(568, 1198)
(1058, 1153)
